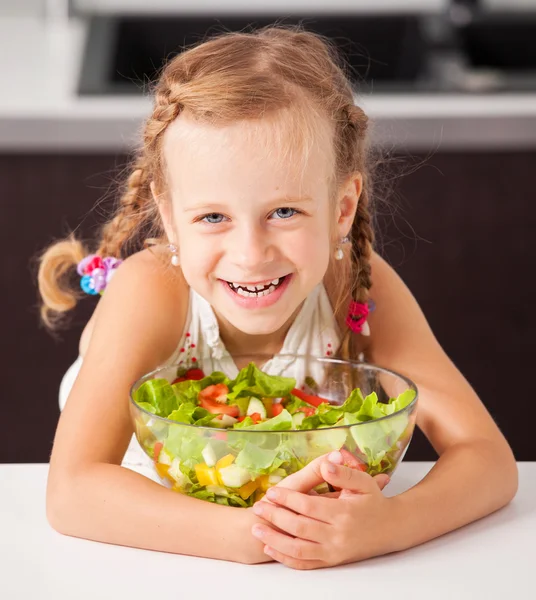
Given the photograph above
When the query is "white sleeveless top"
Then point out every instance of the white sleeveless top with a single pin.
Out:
(314, 332)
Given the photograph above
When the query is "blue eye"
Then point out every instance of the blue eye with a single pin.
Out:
(213, 218)
(285, 213)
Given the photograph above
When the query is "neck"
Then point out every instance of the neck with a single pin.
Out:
(239, 343)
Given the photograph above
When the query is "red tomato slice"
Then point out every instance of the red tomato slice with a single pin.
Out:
(178, 380)
(256, 417)
(157, 449)
(308, 410)
(313, 400)
(217, 392)
(351, 461)
(195, 374)
(217, 408)
(277, 409)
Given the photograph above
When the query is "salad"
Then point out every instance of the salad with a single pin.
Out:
(228, 441)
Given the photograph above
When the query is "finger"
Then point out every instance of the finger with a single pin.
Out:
(305, 479)
(382, 480)
(318, 508)
(293, 563)
(297, 525)
(348, 478)
(293, 547)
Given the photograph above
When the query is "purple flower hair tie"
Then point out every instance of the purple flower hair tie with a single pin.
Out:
(96, 272)
(358, 313)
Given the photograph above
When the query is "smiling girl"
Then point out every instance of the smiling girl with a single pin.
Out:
(252, 190)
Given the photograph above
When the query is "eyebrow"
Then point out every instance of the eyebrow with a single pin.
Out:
(284, 201)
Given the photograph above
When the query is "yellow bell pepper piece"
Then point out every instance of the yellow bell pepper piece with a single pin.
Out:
(263, 482)
(206, 475)
(259, 495)
(247, 489)
(227, 460)
(268, 403)
(163, 471)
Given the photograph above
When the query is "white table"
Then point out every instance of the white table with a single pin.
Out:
(492, 558)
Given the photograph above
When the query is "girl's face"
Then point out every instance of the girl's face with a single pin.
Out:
(253, 231)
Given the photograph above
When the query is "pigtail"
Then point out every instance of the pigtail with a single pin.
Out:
(135, 208)
(55, 265)
(362, 238)
(352, 151)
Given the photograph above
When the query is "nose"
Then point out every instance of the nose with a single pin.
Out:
(250, 249)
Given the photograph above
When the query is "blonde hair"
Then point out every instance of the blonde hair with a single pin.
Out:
(232, 77)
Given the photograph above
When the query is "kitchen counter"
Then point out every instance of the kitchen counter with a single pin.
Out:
(40, 109)
(491, 558)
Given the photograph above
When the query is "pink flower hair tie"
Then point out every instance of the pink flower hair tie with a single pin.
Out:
(96, 272)
(358, 313)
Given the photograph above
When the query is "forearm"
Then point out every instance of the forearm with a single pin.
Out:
(113, 504)
(469, 481)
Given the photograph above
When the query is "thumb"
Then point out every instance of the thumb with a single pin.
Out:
(382, 480)
(354, 480)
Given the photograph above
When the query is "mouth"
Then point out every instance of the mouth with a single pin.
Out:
(257, 290)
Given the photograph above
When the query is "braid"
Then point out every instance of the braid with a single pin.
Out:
(117, 232)
(136, 206)
(363, 238)
(354, 127)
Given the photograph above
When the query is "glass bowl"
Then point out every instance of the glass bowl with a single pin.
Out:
(236, 466)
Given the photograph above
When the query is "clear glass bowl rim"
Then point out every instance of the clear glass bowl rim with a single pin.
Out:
(353, 363)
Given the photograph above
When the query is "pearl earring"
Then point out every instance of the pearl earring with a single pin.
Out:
(339, 255)
(174, 258)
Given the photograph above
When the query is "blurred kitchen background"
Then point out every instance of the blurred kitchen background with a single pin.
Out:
(451, 88)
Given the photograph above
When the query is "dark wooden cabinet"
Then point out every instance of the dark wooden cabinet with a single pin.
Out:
(459, 230)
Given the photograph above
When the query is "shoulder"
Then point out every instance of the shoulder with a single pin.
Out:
(146, 300)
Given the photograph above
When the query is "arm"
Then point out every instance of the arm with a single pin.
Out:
(89, 494)
(476, 472)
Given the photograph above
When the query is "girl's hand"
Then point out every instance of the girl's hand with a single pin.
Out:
(310, 532)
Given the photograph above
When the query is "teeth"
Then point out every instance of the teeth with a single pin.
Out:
(255, 291)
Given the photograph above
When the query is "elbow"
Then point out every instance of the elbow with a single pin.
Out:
(57, 505)
(509, 473)
(512, 481)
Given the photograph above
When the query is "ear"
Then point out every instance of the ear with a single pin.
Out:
(347, 202)
(166, 213)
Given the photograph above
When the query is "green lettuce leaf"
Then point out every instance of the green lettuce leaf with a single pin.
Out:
(159, 394)
(370, 409)
(254, 458)
(396, 404)
(375, 439)
(251, 381)
(295, 403)
(187, 391)
(146, 406)
(213, 379)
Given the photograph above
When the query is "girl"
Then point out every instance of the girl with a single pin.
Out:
(252, 182)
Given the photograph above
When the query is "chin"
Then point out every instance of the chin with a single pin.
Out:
(258, 326)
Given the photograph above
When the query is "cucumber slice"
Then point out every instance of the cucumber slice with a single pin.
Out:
(234, 476)
(209, 455)
(256, 406)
